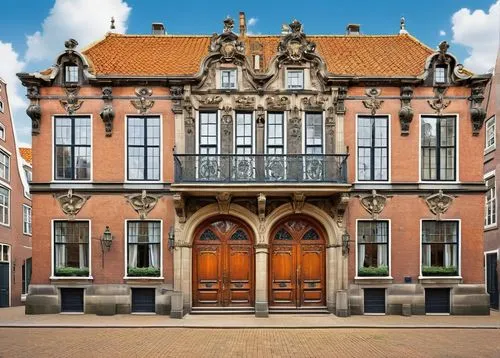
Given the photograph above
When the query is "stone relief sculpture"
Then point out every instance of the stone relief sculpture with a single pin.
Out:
(439, 203)
(71, 203)
(71, 103)
(143, 104)
(406, 112)
(477, 112)
(373, 103)
(107, 113)
(142, 203)
(374, 203)
(34, 110)
(439, 104)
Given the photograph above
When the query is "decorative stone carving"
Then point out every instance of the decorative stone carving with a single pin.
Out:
(71, 104)
(142, 203)
(188, 116)
(341, 96)
(294, 46)
(70, 44)
(176, 92)
(439, 203)
(406, 112)
(143, 104)
(224, 201)
(294, 124)
(227, 121)
(340, 204)
(438, 104)
(227, 43)
(443, 49)
(34, 111)
(277, 102)
(260, 117)
(477, 113)
(261, 205)
(315, 102)
(210, 101)
(108, 113)
(373, 103)
(374, 203)
(298, 201)
(71, 203)
(245, 102)
(330, 122)
(180, 207)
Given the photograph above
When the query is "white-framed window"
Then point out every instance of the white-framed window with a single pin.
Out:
(228, 78)
(71, 248)
(373, 248)
(4, 206)
(2, 132)
(26, 220)
(490, 133)
(490, 208)
(373, 148)
(28, 173)
(144, 240)
(71, 74)
(440, 249)
(1, 107)
(4, 253)
(440, 74)
(438, 148)
(143, 148)
(4, 166)
(295, 79)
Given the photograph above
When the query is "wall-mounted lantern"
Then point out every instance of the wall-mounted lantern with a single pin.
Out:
(106, 239)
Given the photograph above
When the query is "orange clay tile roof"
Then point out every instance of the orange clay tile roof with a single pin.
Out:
(26, 154)
(364, 55)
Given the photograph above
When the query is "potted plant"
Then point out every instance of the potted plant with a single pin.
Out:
(439, 271)
(143, 272)
(382, 270)
(72, 271)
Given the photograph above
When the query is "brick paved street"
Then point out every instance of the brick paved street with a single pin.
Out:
(185, 342)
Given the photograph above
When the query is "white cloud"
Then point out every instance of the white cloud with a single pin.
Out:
(84, 20)
(478, 31)
(252, 21)
(442, 33)
(9, 66)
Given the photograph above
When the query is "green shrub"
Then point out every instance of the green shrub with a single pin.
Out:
(72, 271)
(143, 272)
(382, 270)
(439, 271)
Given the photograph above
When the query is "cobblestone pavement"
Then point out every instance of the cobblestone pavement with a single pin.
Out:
(188, 342)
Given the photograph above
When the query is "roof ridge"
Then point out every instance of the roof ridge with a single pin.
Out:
(95, 43)
(414, 39)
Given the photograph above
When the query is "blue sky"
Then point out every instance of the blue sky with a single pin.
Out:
(87, 20)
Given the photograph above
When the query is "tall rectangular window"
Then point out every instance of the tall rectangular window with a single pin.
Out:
(244, 133)
(71, 74)
(295, 79)
(4, 206)
(314, 133)
(438, 148)
(439, 248)
(275, 133)
(143, 248)
(373, 248)
(72, 148)
(208, 133)
(26, 220)
(490, 133)
(373, 148)
(490, 210)
(4, 166)
(71, 248)
(228, 79)
(143, 148)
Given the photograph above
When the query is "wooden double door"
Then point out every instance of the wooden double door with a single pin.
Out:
(297, 265)
(223, 265)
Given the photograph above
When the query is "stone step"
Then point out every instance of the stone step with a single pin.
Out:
(292, 309)
(222, 310)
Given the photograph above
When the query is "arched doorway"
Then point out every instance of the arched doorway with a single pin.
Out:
(223, 264)
(297, 264)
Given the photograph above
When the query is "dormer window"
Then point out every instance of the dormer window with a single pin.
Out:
(1, 106)
(440, 74)
(295, 79)
(71, 74)
(228, 79)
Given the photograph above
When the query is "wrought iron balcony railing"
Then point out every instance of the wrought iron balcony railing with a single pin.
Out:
(260, 168)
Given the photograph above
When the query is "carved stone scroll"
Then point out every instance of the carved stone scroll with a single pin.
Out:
(477, 112)
(71, 203)
(188, 116)
(340, 205)
(210, 101)
(277, 102)
(340, 104)
(34, 110)
(261, 204)
(439, 203)
(439, 104)
(406, 112)
(373, 103)
(108, 113)
(245, 102)
(374, 203)
(143, 104)
(71, 103)
(180, 207)
(298, 201)
(224, 201)
(316, 102)
(142, 203)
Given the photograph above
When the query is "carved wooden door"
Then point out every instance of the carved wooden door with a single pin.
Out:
(297, 265)
(223, 264)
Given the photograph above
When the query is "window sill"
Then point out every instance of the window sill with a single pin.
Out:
(490, 227)
(373, 280)
(142, 278)
(490, 149)
(440, 279)
(63, 278)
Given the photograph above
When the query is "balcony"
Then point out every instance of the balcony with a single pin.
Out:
(261, 168)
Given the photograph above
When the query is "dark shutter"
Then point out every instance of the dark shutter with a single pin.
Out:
(492, 279)
(4, 284)
(71, 299)
(143, 300)
(437, 300)
(374, 300)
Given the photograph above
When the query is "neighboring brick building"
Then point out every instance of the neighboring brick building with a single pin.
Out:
(257, 173)
(15, 213)
(491, 177)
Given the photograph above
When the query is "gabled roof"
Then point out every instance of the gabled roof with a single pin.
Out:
(355, 55)
(26, 154)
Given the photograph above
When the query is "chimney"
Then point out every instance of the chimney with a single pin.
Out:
(243, 24)
(353, 29)
(157, 28)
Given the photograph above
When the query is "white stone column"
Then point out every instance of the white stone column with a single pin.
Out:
(331, 277)
(261, 275)
(186, 280)
(339, 134)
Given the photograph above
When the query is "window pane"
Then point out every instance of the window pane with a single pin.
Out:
(82, 163)
(63, 163)
(295, 79)
(135, 131)
(440, 74)
(71, 244)
(4, 166)
(71, 73)
(4, 206)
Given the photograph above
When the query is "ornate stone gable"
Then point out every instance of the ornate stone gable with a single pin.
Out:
(294, 47)
(227, 44)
